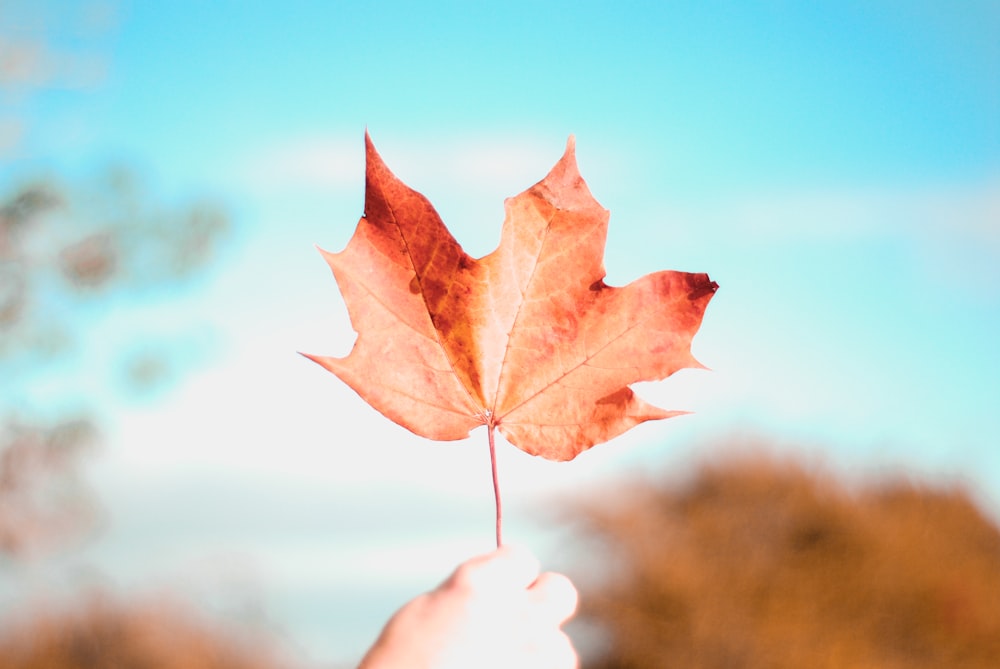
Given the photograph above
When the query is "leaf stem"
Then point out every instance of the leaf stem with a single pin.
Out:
(496, 482)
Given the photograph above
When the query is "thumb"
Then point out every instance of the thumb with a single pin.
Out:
(510, 567)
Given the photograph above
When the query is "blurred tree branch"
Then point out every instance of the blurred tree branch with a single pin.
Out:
(61, 249)
(73, 254)
(46, 46)
(43, 502)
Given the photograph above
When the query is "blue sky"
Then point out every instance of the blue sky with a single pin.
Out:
(834, 166)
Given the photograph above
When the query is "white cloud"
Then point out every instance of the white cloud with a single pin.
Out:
(320, 162)
(949, 231)
(482, 163)
(969, 212)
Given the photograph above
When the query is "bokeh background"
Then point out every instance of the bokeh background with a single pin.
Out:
(167, 168)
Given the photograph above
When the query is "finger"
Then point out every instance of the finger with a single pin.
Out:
(554, 597)
(510, 567)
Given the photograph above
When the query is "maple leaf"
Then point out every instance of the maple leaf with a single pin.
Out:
(528, 340)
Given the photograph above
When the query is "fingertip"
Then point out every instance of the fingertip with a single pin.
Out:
(556, 596)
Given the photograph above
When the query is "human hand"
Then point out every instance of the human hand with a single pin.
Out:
(494, 611)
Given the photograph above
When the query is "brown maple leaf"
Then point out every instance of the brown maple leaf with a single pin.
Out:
(528, 340)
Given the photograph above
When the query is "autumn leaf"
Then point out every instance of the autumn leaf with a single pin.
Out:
(527, 340)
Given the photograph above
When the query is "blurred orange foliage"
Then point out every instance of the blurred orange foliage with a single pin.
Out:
(763, 564)
(103, 634)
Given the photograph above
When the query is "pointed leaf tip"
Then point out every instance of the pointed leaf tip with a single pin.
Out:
(569, 154)
(369, 144)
